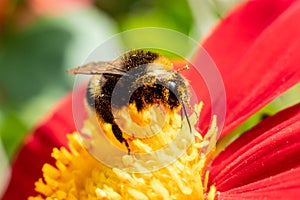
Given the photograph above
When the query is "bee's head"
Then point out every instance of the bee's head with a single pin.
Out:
(157, 72)
(179, 87)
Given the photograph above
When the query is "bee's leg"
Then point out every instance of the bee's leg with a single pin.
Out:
(182, 114)
(119, 135)
(105, 114)
(186, 116)
(193, 109)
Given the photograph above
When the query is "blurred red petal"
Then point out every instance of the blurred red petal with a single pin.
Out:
(271, 147)
(256, 49)
(282, 186)
(37, 149)
(4, 4)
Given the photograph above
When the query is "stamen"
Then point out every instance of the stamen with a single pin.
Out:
(212, 193)
(206, 181)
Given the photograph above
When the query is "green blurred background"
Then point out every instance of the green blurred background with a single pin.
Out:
(41, 39)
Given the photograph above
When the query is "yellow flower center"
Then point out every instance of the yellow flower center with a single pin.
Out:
(78, 175)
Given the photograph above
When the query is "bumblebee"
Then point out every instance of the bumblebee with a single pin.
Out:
(154, 82)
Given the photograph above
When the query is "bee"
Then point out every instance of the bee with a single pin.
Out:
(158, 83)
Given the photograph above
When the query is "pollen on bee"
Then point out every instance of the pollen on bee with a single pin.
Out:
(142, 118)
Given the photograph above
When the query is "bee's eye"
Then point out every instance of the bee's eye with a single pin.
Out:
(171, 85)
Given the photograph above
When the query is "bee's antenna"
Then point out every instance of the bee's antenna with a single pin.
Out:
(186, 115)
(186, 67)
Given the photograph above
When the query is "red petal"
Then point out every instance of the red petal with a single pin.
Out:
(37, 148)
(256, 49)
(282, 186)
(271, 147)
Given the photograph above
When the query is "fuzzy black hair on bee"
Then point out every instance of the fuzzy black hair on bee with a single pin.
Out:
(154, 82)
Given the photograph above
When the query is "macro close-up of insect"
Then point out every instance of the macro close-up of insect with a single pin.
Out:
(122, 100)
(154, 82)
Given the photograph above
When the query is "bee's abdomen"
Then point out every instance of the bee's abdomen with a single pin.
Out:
(98, 96)
(90, 98)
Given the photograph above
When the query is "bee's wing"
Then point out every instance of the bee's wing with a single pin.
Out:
(98, 68)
